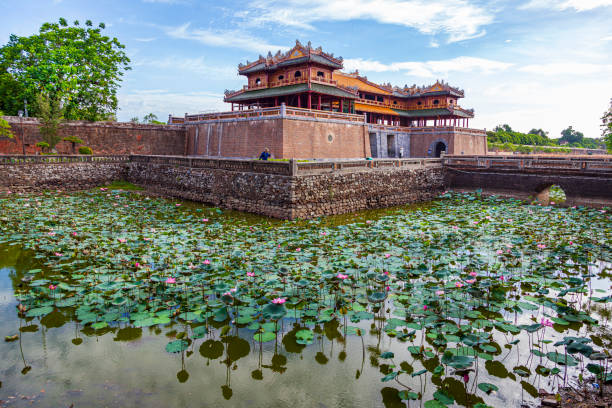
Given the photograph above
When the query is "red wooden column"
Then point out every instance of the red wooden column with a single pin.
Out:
(319, 102)
(299, 96)
(232, 106)
(309, 100)
(276, 101)
(341, 105)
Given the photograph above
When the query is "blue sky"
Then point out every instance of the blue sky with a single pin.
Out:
(529, 63)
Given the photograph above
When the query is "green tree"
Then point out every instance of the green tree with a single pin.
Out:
(151, 119)
(571, 136)
(135, 119)
(51, 116)
(607, 127)
(78, 66)
(73, 141)
(5, 128)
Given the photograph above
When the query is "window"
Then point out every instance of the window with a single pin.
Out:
(436, 102)
(395, 102)
(281, 77)
(320, 74)
(257, 81)
(369, 97)
(298, 74)
(379, 98)
(419, 103)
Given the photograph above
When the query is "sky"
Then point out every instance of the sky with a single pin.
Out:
(528, 63)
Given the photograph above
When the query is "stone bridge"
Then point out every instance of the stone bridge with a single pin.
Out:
(585, 180)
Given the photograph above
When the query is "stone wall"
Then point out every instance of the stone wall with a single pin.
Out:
(64, 174)
(102, 137)
(346, 192)
(287, 191)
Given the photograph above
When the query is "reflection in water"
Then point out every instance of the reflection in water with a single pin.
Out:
(108, 339)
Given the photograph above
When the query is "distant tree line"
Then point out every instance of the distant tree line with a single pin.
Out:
(570, 137)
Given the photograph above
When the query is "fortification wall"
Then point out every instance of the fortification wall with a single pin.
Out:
(286, 137)
(41, 173)
(102, 137)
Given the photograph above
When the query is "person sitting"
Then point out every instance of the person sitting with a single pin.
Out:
(265, 155)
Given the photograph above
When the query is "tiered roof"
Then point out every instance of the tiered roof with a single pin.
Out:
(299, 54)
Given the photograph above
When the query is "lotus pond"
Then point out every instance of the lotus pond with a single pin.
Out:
(112, 298)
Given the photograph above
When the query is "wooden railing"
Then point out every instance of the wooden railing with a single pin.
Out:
(531, 162)
(60, 159)
(321, 114)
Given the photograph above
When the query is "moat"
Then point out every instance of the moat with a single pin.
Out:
(113, 298)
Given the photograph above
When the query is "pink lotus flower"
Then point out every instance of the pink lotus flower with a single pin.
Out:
(324, 233)
(57, 254)
(368, 222)
(499, 252)
(52, 287)
(206, 262)
(298, 249)
(51, 233)
(455, 227)
(458, 284)
(571, 242)
(470, 281)
(170, 280)
(602, 211)
(227, 294)
(191, 266)
(509, 220)
(541, 246)
(386, 273)
(424, 307)
(387, 256)
(473, 273)
(545, 322)
(233, 290)
(122, 240)
(466, 378)
(509, 246)
(439, 292)
(475, 222)
(501, 278)
(250, 274)
(204, 219)
(74, 234)
(488, 217)
(387, 288)
(279, 301)
(341, 276)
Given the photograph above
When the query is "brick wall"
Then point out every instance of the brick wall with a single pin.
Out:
(285, 137)
(102, 137)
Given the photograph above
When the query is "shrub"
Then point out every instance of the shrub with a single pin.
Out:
(43, 146)
(85, 150)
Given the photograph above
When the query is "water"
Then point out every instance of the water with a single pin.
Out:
(59, 362)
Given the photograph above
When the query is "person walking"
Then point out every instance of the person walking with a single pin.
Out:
(265, 155)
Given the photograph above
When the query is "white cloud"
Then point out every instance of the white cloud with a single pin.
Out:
(608, 38)
(198, 65)
(566, 68)
(578, 5)
(222, 38)
(162, 102)
(460, 19)
(430, 69)
(149, 39)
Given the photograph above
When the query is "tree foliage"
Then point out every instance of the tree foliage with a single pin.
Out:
(151, 119)
(78, 66)
(504, 134)
(5, 128)
(50, 115)
(607, 127)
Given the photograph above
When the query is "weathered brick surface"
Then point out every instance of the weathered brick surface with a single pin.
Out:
(64, 176)
(291, 197)
(102, 137)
